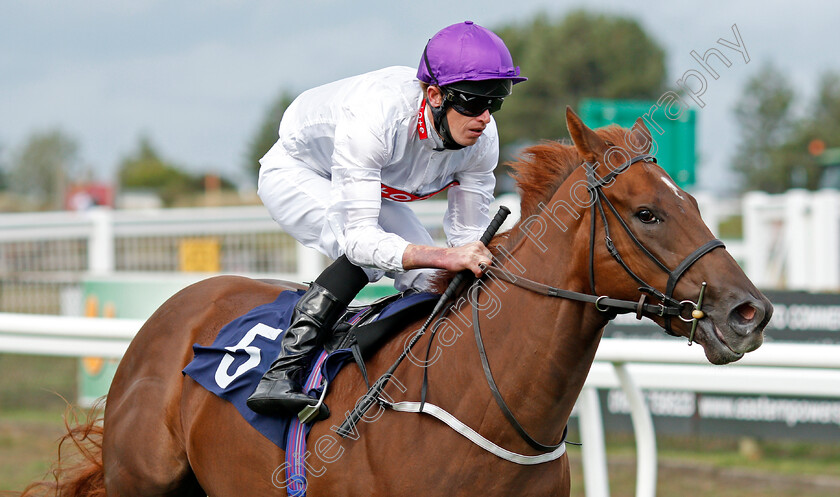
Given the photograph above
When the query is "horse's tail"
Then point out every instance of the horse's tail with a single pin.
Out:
(78, 474)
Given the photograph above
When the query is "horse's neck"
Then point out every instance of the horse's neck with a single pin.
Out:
(539, 348)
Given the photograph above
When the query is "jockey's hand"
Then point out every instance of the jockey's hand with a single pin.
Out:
(456, 259)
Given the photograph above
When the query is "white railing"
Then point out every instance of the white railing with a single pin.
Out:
(790, 240)
(793, 239)
(66, 336)
(146, 240)
(801, 370)
(630, 364)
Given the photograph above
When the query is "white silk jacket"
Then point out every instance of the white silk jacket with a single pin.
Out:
(373, 139)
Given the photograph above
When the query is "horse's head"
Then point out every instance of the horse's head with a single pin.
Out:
(659, 241)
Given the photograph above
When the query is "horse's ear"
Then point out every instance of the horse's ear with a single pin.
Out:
(639, 138)
(588, 144)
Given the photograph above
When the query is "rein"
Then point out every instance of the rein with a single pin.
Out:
(667, 308)
(495, 390)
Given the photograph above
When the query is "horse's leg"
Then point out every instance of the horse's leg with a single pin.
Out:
(143, 444)
(144, 458)
(143, 452)
(228, 456)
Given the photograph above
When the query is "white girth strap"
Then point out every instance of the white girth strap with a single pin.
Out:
(475, 438)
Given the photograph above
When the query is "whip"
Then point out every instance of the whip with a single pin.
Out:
(372, 395)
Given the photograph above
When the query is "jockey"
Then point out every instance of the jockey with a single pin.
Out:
(352, 152)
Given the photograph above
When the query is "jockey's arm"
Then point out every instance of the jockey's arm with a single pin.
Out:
(468, 210)
(359, 155)
(467, 256)
(466, 218)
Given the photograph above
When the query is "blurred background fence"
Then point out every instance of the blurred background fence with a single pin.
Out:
(45, 257)
(786, 242)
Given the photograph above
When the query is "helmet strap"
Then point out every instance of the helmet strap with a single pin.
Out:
(442, 125)
(439, 113)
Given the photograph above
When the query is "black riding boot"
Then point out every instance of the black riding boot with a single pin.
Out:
(279, 391)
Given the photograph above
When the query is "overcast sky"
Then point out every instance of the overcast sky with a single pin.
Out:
(198, 76)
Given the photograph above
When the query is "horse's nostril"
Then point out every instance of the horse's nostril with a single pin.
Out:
(746, 311)
(747, 317)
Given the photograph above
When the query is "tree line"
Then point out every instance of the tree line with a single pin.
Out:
(580, 55)
(566, 59)
(780, 149)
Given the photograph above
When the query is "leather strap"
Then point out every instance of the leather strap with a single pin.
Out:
(357, 356)
(476, 438)
(495, 390)
(604, 303)
(677, 273)
(693, 257)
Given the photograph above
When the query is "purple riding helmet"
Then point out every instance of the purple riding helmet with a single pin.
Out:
(473, 68)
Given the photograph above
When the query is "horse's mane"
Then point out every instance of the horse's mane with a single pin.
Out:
(541, 169)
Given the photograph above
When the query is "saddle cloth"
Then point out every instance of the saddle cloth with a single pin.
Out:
(245, 348)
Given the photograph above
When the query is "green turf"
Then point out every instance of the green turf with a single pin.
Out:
(31, 424)
(36, 382)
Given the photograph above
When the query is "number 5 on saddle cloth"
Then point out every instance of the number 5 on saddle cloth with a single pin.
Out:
(243, 350)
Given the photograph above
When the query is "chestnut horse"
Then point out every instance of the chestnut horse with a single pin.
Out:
(166, 435)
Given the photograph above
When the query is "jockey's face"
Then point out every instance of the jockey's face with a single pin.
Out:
(464, 129)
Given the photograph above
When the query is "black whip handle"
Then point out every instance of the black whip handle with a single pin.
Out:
(372, 395)
(459, 278)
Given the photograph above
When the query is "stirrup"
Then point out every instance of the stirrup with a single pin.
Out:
(309, 413)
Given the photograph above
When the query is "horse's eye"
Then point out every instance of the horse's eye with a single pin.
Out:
(647, 217)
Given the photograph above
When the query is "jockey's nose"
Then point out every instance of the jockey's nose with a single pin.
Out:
(484, 116)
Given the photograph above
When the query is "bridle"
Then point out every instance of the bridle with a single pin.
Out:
(667, 308)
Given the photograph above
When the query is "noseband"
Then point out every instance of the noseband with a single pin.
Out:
(668, 303)
(668, 307)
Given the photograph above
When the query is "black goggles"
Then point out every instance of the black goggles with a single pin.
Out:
(472, 105)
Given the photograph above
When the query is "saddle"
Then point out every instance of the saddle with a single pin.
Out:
(244, 349)
(364, 329)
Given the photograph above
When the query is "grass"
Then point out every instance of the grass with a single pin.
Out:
(780, 458)
(32, 393)
(36, 383)
(31, 424)
(723, 466)
(687, 466)
(27, 446)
